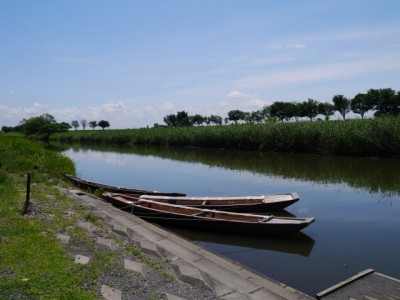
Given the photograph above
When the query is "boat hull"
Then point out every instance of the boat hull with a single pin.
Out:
(93, 186)
(206, 219)
(268, 203)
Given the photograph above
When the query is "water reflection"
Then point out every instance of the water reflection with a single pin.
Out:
(369, 174)
(355, 202)
(298, 243)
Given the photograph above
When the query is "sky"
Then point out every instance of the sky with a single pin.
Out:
(134, 62)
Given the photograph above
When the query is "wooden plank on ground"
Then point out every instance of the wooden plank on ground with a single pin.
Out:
(365, 285)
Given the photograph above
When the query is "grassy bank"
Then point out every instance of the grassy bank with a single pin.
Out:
(33, 264)
(371, 137)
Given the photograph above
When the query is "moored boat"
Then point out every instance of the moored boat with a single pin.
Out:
(263, 203)
(93, 186)
(207, 219)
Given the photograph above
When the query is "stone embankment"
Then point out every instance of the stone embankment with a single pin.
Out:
(185, 271)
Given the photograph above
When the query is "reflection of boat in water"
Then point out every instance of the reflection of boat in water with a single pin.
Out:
(297, 243)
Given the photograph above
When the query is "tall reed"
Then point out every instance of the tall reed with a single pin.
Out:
(369, 137)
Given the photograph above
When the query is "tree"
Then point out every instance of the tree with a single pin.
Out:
(276, 109)
(180, 119)
(93, 124)
(236, 115)
(283, 110)
(384, 101)
(63, 126)
(290, 110)
(84, 123)
(360, 104)
(183, 118)
(171, 120)
(265, 111)
(198, 119)
(342, 105)
(7, 129)
(217, 120)
(309, 109)
(103, 124)
(326, 109)
(75, 124)
(41, 126)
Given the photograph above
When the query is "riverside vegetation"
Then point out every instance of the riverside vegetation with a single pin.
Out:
(34, 264)
(355, 137)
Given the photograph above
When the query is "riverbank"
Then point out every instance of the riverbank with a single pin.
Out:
(43, 252)
(190, 263)
(368, 137)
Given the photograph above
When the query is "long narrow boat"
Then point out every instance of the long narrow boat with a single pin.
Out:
(264, 203)
(207, 219)
(92, 186)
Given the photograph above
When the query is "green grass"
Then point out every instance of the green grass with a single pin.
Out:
(369, 137)
(33, 263)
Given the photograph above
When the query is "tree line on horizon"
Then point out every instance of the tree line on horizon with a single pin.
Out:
(384, 102)
(45, 124)
(92, 124)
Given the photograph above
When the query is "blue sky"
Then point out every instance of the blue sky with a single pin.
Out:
(133, 62)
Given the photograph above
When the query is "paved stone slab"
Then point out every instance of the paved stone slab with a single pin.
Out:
(81, 259)
(120, 230)
(87, 226)
(149, 248)
(106, 242)
(190, 275)
(110, 293)
(134, 266)
(64, 238)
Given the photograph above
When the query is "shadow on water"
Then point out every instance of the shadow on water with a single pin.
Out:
(298, 243)
(374, 175)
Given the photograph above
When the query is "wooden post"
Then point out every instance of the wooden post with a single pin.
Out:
(28, 192)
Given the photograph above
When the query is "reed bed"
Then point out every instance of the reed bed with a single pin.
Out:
(370, 137)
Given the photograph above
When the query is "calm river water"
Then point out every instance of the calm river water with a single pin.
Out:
(356, 203)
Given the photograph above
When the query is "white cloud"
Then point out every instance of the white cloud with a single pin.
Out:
(235, 94)
(288, 46)
(168, 106)
(117, 113)
(322, 72)
(113, 107)
(241, 101)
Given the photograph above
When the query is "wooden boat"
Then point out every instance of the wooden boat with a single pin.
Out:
(207, 219)
(264, 203)
(93, 186)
